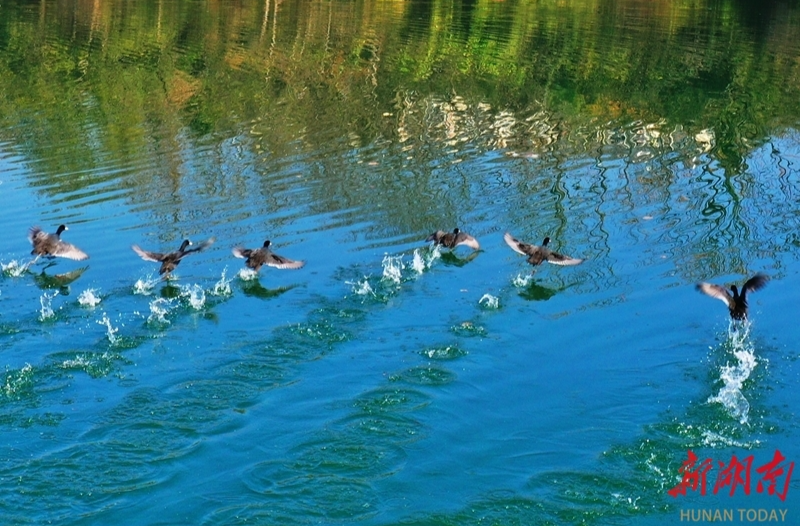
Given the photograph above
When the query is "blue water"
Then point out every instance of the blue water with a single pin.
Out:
(388, 382)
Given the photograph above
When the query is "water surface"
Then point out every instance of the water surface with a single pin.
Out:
(387, 382)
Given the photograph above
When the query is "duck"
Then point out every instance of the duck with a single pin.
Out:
(452, 239)
(735, 300)
(538, 254)
(257, 257)
(51, 245)
(171, 260)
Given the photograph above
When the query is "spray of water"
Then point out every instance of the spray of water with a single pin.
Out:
(733, 375)
(145, 286)
(247, 274)
(194, 295)
(46, 311)
(159, 308)
(362, 288)
(393, 268)
(89, 298)
(489, 301)
(522, 280)
(223, 286)
(14, 268)
(111, 332)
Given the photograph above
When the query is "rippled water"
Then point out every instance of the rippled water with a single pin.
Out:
(389, 381)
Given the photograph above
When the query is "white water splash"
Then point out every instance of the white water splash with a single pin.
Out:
(145, 285)
(734, 375)
(522, 280)
(195, 295)
(423, 259)
(223, 286)
(489, 301)
(393, 268)
(89, 298)
(46, 311)
(14, 268)
(111, 332)
(362, 288)
(247, 274)
(159, 308)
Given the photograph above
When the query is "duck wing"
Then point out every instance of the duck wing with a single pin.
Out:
(715, 291)
(146, 255)
(274, 260)
(35, 233)
(69, 251)
(518, 246)
(465, 239)
(437, 236)
(241, 252)
(755, 283)
(200, 247)
(560, 259)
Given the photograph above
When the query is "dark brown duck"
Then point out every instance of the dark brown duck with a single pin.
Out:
(539, 254)
(258, 257)
(170, 260)
(51, 245)
(735, 300)
(452, 239)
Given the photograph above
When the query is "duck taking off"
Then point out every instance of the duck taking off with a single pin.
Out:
(171, 260)
(538, 254)
(735, 300)
(452, 239)
(51, 245)
(258, 257)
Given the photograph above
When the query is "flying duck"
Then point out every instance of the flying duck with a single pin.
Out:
(452, 239)
(51, 245)
(538, 254)
(736, 302)
(171, 260)
(257, 257)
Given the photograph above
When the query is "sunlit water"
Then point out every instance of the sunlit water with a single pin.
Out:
(389, 381)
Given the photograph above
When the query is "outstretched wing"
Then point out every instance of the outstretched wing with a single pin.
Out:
(274, 260)
(69, 251)
(35, 233)
(755, 283)
(465, 239)
(715, 291)
(436, 236)
(156, 257)
(241, 252)
(560, 259)
(202, 246)
(518, 246)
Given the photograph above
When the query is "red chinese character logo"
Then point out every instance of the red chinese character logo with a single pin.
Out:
(692, 477)
(732, 475)
(771, 472)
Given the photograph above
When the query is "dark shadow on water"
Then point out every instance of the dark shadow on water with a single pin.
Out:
(450, 258)
(170, 291)
(255, 289)
(61, 281)
(535, 292)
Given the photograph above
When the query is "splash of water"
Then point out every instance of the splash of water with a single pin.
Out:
(46, 311)
(89, 298)
(144, 286)
(14, 268)
(223, 286)
(247, 274)
(734, 375)
(489, 301)
(362, 288)
(111, 332)
(522, 280)
(423, 259)
(159, 308)
(393, 268)
(195, 295)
